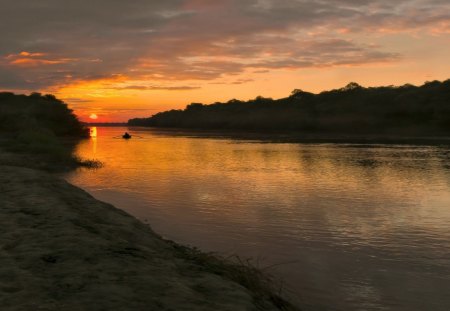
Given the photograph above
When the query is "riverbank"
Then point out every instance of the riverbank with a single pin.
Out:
(298, 137)
(65, 250)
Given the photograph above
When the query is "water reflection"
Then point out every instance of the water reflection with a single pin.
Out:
(359, 227)
(93, 135)
(93, 132)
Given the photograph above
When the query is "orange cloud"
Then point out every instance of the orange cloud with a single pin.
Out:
(28, 54)
(37, 62)
(30, 59)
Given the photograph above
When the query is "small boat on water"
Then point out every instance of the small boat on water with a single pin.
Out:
(126, 136)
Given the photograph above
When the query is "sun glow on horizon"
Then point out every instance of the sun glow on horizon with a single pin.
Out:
(164, 57)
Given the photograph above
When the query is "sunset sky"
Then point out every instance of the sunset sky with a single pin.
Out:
(117, 59)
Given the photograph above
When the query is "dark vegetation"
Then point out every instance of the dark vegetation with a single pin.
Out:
(39, 131)
(405, 111)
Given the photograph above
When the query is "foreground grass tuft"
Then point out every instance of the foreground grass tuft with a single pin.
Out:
(88, 163)
(261, 285)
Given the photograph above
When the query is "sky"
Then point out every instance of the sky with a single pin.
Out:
(118, 59)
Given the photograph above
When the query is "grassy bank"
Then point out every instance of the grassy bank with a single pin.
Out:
(64, 250)
(39, 131)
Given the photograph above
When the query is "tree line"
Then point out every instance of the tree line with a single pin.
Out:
(401, 110)
(37, 113)
(40, 131)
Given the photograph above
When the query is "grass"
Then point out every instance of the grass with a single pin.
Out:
(261, 285)
(88, 163)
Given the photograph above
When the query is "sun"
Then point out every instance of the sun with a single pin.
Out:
(93, 116)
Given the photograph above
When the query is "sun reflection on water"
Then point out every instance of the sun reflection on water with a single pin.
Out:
(93, 132)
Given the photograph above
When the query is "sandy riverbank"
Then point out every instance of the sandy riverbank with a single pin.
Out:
(61, 249)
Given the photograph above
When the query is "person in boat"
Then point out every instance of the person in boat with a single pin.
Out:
(126, 135)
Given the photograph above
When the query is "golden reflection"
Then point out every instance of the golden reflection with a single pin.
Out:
(93, 132)
(332, 179)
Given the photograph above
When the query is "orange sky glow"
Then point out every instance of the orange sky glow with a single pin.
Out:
(138, 59)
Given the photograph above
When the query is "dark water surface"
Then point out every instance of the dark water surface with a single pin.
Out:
(349, 227)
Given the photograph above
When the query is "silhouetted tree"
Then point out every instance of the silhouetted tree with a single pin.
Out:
(351, 86)
(296, 92)
(19, 113)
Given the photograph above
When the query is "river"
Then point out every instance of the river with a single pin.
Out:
(344, 226)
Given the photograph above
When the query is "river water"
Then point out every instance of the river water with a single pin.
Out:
(345, 227)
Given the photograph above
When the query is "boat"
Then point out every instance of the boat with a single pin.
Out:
(126, 136)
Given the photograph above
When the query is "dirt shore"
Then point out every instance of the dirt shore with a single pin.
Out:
(61, 249)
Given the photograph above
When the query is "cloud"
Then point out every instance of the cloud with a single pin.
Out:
(49, 43)
(155, 88)
(27, 59)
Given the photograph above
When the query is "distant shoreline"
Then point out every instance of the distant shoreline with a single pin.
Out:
(299, 137)
(106, 124)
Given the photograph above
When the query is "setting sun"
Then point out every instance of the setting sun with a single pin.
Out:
(93, 116)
